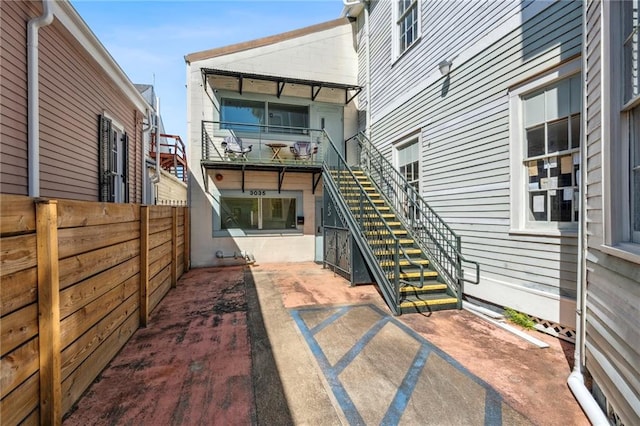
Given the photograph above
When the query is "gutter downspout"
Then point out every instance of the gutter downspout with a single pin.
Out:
(576, 378)
(146, 129)
(33, 97)
(368, 70)
(156, 178)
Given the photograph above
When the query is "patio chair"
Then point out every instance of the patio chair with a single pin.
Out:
(304, 150)
(233, 148)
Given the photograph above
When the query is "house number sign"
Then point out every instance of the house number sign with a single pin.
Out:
(258, 192)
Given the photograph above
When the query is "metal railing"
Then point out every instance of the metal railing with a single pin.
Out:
(269, 144)
(370, 229)
(432, 234)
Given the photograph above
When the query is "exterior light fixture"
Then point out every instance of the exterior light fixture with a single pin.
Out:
(444, 67)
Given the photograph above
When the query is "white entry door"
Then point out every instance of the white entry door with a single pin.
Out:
(332, 120)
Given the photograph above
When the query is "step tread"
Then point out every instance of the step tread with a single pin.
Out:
(426, 287)
(379, 252)
(428, 302)
(416, 274)
(405, 262)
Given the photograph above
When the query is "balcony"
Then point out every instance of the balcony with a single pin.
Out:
(171, 154)
(229, 145)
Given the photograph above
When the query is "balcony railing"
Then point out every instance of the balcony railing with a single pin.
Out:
(270, 145)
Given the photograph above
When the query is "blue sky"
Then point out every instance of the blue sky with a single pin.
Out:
(151, 38)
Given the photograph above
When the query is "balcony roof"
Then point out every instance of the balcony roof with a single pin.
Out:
(350, 90)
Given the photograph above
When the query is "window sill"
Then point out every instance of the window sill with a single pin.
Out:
(627, 251)
(405, 51)
(566, 233)
(257, 233)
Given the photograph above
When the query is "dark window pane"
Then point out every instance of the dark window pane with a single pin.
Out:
(558, 136)
(535, 141)
(575, 131)
(560, 208)
(288, 118)
(538, 206)
(239, 213)
(235, 111)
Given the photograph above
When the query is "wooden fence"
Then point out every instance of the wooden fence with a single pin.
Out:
(76, 280)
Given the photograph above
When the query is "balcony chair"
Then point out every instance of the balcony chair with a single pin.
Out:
(304, 150)
(233, 148)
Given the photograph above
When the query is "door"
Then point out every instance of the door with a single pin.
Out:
(331, 119)
(319, 256)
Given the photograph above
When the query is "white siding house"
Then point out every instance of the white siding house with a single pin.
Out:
(274, 94)
(610, 338)
(514, 76)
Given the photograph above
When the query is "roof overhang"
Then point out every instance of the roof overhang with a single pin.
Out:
(350, 90)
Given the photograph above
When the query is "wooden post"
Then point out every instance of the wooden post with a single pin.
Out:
(49, 312)
(144, 265)
(187, 238)
(174, 247)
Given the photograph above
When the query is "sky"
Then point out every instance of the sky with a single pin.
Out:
(150, 38)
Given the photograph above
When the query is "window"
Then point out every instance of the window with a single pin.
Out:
(249, 116)
(407, 24)
(552, 151)
(113, 161)
(631, 87)
(545, 140)
(258, 213)
(408, 162)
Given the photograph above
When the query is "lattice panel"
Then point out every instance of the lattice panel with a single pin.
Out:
(555, 329)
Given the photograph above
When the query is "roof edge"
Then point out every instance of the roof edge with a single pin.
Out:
(265, 41)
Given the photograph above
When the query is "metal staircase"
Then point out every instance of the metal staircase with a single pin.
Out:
(411, 253)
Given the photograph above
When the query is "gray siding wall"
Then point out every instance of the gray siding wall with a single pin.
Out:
(74, 91)
(613, 295)
(464, 123)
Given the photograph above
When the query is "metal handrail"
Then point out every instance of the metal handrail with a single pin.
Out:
(374, 229)
(428, 229)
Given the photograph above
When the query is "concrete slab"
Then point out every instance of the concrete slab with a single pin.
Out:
(294, 344)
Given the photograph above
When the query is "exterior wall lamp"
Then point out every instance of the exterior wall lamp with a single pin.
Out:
(444, 67)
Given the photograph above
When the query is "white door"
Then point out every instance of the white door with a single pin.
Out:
(332, 120)
(319, 257)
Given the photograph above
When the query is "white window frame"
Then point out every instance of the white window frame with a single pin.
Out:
(519, 176)
(414, 137)
(119, 189)
(616, 180)
(395, 13)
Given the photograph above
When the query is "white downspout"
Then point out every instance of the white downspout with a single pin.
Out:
(576, 378)
(33, 97)
(368, 70)
(156, 178)
(146, 129)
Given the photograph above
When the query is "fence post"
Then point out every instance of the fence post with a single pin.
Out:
(49, 312)
(187, 240)
(144, 265)
(174, 247)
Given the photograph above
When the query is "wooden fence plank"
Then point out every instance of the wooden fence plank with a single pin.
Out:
(161, 290)
(48, 313)
(187, 239)
(158, 238)
(144, 266)
(18, 366)
(174, 249)
(18, 327)
(77, 268)
(18, 290)
(159, 278)
(80, 321)
(81, 294)
(17, 214)
(78, 381)
(159, 225)
(16, 406)
(88, 213)
(18, 253)
(80, 349)
(161, 253)
(73, 241)
(159, 212)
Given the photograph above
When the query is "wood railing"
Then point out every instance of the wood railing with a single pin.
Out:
(76, 280)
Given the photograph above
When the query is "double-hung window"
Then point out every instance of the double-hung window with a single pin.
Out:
(407, 24)
(113, 160)
(551, 118)
(631, 112)
(408, 163)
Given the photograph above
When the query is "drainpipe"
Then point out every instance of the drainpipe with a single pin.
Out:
(33, 97)
(156, 179)
(146, 129)
(576, 378)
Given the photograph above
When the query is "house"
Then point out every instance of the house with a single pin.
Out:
(166, 169)
(609, 323)
(261, 116)
(72, 122)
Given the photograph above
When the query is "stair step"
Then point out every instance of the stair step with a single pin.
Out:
(383, 215)
(409, 304)
(402, 241)
(385, 232)
(389, 252)
(424, 288)
(373, 200)
(380, 208)
(415, 274)
(404, 262)
(390, 223)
